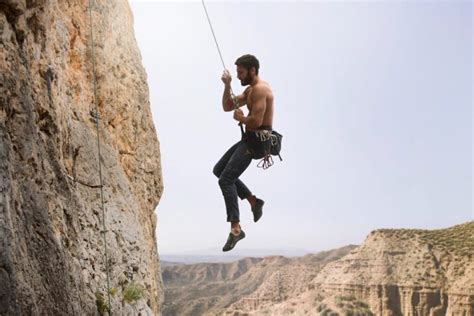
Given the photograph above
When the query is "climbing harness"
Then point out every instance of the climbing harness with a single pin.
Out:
(263, 144)
(101, 185)
(266, 135)
(266, 162)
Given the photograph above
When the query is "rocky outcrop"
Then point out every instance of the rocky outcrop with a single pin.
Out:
(394, 272)
(408, 272)
(207, 272)
(51, 238)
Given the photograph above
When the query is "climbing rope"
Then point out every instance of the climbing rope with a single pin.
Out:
(101, 185)
(232, 95)
(213, 34)
(234, 100)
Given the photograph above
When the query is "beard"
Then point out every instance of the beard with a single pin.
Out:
(245, 81)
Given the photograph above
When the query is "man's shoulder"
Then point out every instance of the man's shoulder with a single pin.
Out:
(262, 87)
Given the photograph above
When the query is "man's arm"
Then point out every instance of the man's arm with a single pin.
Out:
(259, 104)
(228, 104)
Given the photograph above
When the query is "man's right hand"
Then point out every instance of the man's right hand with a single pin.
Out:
(226, 78)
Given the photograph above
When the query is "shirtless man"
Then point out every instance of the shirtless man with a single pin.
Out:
(259, 100)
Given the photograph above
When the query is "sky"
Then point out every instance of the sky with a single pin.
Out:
(374, 101)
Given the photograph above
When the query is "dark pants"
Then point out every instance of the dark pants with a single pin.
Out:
(228, 169)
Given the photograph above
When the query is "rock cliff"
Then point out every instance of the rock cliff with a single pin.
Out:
(408, 272)
(51, 238)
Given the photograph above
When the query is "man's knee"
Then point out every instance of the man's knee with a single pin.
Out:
(216, 171)
(223, 182)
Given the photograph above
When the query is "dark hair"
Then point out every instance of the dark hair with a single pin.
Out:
(248, 61)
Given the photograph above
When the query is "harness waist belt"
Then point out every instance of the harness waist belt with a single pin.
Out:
(261, 128)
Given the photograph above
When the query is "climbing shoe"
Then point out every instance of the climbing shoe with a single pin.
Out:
(232, 240)
(257, 209)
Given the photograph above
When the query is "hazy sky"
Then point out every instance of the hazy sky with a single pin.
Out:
(374, 100)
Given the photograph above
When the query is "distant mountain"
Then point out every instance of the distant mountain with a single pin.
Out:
(192, 259)
(209, 288)
(216, 256)
(394, 272)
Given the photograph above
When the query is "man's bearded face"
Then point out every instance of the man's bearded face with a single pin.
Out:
(244, 76)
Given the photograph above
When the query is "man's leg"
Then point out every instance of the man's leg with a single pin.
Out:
(251, 199)
(242, 190)
(220, 165)
(236, 165)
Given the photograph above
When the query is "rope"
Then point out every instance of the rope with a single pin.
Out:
(232, 95)
(214, 35)
(100, 166)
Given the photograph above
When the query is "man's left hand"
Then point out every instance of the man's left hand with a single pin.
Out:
(239, 115)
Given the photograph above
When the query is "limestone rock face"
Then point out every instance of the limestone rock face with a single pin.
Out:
(51, 239)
